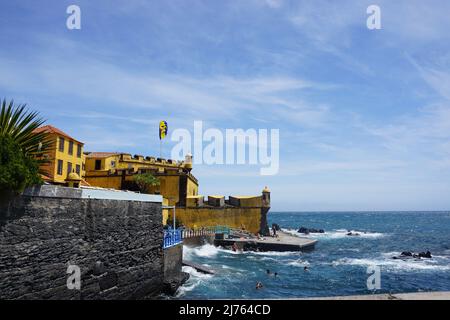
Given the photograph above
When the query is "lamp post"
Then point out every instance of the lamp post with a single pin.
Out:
(174, 218)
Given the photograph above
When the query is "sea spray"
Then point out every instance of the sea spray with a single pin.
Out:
(337, 234)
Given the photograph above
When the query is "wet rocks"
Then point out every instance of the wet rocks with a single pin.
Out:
(410, 255)
(309, 230)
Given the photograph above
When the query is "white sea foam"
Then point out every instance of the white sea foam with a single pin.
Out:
(274, 253)
(195, 279)
(349, 249)
(196, 274)
(437, 263)
(206, 250)
(298, 263)
(336, 234)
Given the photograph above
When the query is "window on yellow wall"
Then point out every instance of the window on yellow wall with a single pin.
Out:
(98, 164)
(71, 147)
(77, 169)
(61, 144)
(69, 167)
(79, 150)
(60, 167)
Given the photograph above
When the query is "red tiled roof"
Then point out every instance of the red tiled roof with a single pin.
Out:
(45, 177)
(84, 183)
(51, 129)
(101, 154)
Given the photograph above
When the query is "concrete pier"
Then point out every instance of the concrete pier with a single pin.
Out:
(198, 267)
(284, 242)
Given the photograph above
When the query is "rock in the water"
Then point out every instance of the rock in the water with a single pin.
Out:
(303, 230)
(425, 255)
(309, 230)
(409, 255)
(353, 234)
(171, 287)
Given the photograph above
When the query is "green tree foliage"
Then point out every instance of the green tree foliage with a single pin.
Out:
(17, 171)
(145, 181)
(21, 150)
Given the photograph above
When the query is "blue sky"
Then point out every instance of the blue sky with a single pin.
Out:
(364, 115)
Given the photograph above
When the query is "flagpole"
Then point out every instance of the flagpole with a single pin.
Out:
(162, 135)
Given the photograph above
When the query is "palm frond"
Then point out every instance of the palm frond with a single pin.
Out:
(19, 124)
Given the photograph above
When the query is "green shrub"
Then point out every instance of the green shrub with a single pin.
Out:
(17, 171)
(145, 181)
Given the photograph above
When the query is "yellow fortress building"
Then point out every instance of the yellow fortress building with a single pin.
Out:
(177, 185)
(66, 156)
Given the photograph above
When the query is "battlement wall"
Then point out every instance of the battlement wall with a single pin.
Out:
(215, 201)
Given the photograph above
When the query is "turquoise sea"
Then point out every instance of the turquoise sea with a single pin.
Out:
(338, 265)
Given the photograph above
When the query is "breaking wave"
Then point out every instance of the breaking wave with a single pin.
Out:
(298, 263)
(437, 263)
(337, 234)
(206, 250)
(195, 278)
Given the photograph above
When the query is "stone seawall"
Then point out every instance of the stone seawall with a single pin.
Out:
(173, 263)
(115, 243)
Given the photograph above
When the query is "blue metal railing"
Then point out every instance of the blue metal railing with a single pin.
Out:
(172, 237)
(222, 229)
(204, 231)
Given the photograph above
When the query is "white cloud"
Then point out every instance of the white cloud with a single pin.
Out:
(274, 3)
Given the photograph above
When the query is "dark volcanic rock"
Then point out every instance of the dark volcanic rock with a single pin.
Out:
(171, 287)
(309, 230)
(116, 245)
(410, 255)
(425, 255)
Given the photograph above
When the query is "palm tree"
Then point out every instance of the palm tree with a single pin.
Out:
(21, 149)
(18, 124)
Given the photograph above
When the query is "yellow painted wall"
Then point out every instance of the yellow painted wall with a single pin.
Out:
(112, 182)
(169, 188)
(249, 218)
(107, 163)
(192, 188)
(165, 212)
(49, 167)
(249, 201)
(55, 155)
(194, 201)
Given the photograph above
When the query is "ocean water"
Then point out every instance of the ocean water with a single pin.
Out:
(338, 265)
